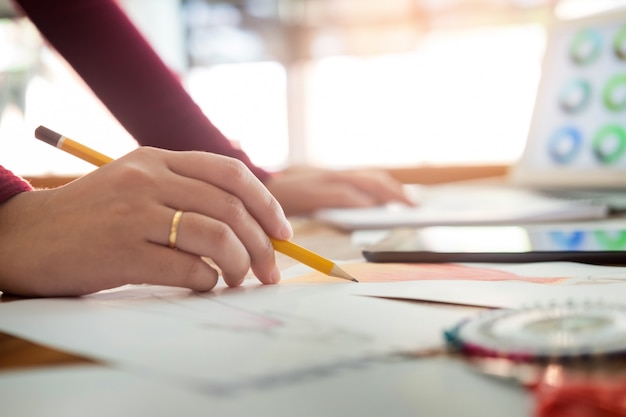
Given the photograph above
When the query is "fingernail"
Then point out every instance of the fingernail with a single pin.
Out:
(286, 232)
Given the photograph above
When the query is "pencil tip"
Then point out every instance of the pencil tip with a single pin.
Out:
(340, 273)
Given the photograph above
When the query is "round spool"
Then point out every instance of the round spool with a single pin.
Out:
(555, 333)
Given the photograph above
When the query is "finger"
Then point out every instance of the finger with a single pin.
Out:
(235, 178)
(209, 237)
(224, 213)
(380, 186)
(159, 265)
(196, 195)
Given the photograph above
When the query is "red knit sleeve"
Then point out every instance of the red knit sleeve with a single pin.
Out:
(11, 184)
(106, 49)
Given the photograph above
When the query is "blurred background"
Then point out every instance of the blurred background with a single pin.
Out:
(330, 83)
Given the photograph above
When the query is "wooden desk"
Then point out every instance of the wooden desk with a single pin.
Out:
(16, 353)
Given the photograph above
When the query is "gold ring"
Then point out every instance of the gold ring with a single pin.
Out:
(174, 228)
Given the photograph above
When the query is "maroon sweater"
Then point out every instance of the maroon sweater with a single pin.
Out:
(97, 38)
(11, 184)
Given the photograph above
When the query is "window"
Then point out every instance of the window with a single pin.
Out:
(460, 97)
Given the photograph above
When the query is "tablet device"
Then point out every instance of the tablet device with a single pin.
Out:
(589, 243)
(577, 134)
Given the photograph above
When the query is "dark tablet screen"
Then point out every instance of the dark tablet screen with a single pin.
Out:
(583, 242)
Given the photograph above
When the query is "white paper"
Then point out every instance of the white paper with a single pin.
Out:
(581, 283)
(442, 387)
(290, 349)
(96, 391)
(231, 338)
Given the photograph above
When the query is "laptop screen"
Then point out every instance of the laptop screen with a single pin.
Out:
(577, 137)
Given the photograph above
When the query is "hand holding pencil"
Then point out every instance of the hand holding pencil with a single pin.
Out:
(114, 227)
(121, 223)
(117, 226)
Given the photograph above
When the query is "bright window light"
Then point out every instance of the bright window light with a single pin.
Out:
(248, 103)
(60, 101)
(461, 97)
(573, 9)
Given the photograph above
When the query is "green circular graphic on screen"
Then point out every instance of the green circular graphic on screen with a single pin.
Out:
(609, 144)
(619, 44)
(574, 96)
(614, 95)
(564, 144)
(585, 47)
(611, 241)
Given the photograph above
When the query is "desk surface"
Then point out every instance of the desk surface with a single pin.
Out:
(445, 376)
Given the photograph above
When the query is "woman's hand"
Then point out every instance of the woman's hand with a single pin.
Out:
(112, 227)
(302, 191)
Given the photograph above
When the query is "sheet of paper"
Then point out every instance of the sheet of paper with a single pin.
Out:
(230, 338)
(386, 273)
(234, 341)
(390, 386)
(96, 391)
(439, 387)
(563, 282)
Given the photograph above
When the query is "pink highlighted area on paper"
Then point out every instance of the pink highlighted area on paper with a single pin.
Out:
(391, 272)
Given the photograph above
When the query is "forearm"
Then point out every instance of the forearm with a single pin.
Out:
(15, 250)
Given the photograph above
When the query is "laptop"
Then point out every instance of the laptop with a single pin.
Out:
(574, 164)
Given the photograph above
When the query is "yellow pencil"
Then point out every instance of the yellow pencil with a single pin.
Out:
(286, 247)
(311, 259)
